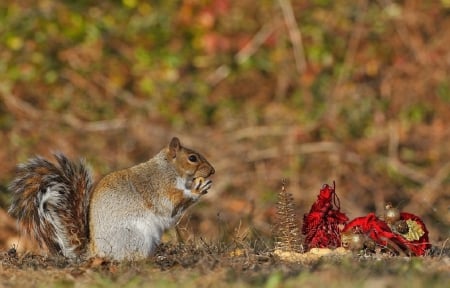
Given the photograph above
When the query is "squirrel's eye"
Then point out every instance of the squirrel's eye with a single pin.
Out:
(193, 158)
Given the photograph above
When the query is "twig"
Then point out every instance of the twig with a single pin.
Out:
(349, 57)
(218, 75)
(260, 131)
(294, 34)
(269, 131)
(18, 106)
(407, 171)
(245, 53)
(392, 245)
(428, 194)
(430, 185)
(179, 236)
(394, 140)
(307, 148)
(252, 46)
(94, 126)
(443, 247)
(396, 164)
(403, 33)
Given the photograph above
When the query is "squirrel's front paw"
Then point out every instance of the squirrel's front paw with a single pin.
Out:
(201, 185)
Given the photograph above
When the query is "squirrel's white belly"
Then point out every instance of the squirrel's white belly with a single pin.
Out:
(151, 227)
(136, 237)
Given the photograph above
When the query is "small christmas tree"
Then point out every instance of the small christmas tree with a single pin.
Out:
(287, 231)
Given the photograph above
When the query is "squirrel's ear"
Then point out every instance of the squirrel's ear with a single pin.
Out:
(174, 146)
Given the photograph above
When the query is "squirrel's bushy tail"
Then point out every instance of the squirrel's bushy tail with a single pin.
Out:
(51, 203)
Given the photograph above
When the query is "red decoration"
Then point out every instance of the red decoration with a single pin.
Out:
(411, 235)
(399, 231)
(321, 224)
(422, 244)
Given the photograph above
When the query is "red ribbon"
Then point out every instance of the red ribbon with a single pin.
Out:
(321, 227)
(321, 224)
(380, 232)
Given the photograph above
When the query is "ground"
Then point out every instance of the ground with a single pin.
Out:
(215, 265)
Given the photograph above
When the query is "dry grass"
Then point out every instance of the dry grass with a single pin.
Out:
(219, 265)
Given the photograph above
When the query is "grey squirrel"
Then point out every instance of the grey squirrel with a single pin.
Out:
(122, 217)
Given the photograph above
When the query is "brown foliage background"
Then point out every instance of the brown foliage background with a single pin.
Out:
(312, 91)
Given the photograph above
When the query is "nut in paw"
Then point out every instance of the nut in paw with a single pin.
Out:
(201, 185)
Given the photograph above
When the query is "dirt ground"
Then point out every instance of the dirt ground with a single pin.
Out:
(218, 265)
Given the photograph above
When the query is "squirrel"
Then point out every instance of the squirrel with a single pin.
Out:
(122, 217)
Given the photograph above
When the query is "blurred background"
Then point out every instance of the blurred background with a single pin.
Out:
(356, 92)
